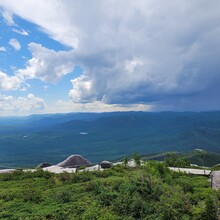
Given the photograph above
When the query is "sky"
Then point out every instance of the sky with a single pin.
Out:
(60, 56)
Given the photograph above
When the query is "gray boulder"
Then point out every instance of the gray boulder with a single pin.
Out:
(74, 161)
(43, 165)
(105, 164)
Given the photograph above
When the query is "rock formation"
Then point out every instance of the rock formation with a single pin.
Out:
(43, 165)
(74, 161)
(105, 164)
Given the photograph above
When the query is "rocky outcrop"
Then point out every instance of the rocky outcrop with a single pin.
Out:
(105, 164)
(43, 165)
(75, 161)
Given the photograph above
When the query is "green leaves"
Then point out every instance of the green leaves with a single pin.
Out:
(152, 192)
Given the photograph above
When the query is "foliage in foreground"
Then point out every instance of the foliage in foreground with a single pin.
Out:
(149, 192)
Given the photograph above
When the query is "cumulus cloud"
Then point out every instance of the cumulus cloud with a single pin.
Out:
(10, 105)
(9, 82)
(15, 44)
(147, 52)
(159, 54)
(47, 65)
(32, 102)
(82, 88)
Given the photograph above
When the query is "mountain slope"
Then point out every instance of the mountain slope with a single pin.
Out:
(30, 140)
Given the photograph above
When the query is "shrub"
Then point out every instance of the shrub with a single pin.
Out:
(63, 197)
(31, 195)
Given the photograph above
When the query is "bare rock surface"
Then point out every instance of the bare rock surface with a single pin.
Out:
(43, 165)
(216, 179)
(75, 161)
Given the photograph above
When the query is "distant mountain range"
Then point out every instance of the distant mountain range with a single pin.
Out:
(28, 141)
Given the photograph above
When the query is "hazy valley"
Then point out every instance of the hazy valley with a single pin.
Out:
(27, 141)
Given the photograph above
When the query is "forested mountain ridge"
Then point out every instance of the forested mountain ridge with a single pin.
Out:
(27, 141)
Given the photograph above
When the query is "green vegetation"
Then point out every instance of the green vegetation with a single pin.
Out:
(125, 161)
(198, 157)
(119, 193)
(175, 160)
(203, 158)
(137, 158)
(216, 167)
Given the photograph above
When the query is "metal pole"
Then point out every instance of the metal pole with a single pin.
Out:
(211, 180)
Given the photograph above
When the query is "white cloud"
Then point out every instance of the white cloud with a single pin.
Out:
(9, 82)
(8, 17)
(82, 88)
(10, 105)
(25, 87)
(44, 13)
(30, 104)
(21, 31)
(68, 106)
(141, 53)
(3, 49)
(15, 44)
(47, 65)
